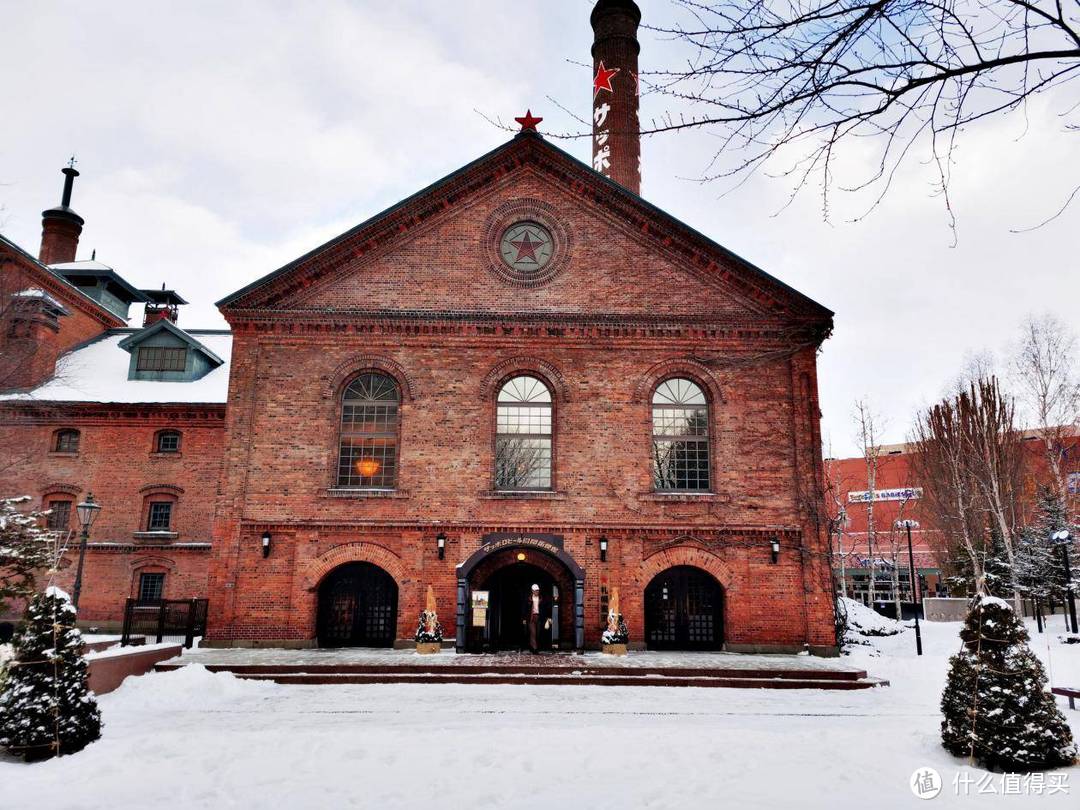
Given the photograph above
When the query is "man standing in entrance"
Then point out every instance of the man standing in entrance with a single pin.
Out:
(534, 619)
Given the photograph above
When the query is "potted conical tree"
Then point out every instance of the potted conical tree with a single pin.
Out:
(429, 633)
(616, 636)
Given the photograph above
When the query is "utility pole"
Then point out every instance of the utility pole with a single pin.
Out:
(916, 595)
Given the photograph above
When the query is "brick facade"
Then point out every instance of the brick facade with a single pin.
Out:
(635, 302)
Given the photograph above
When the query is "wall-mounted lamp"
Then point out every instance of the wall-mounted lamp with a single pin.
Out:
(603, 549)
(266, 544)
(440, 542)
(775, 550)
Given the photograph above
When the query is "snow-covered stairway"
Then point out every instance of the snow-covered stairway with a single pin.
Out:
(641, 669)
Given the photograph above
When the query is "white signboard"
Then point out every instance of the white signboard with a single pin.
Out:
(898, 494)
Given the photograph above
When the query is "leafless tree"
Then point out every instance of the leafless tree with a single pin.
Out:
(1048, 384)
(968, 458)
(816, 75)
(520, 463)
(866, 434)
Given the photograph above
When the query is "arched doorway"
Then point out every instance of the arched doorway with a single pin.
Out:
(357, 607)
(494, 586)
(684, 610)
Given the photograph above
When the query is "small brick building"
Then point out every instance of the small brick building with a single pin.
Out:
(523, 374)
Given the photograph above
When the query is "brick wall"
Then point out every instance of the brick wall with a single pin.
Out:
(116, 461)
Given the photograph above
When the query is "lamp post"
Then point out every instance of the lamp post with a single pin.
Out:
(1061, 539)
(88, 512)
(916, 596)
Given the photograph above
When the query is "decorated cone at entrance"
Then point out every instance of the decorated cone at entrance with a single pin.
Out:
(429, 634)
(616, 636)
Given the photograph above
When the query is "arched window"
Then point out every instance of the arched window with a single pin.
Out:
(680, 444)
(369, 433)
(523, 435)
(167, 441)
(66, 441)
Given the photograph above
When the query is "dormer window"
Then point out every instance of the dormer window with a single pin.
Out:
(167, 441)
(66, 441)
(161, 358)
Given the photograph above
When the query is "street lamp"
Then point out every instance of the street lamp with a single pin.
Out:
(1061, 539)
(88, 512)
(916, 597)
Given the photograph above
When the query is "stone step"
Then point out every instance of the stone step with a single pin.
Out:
(453, 674)
(443, 670)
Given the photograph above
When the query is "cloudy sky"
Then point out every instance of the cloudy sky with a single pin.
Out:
(217, 141)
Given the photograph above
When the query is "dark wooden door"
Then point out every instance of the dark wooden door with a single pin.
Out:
(357, 607)
(684, 611)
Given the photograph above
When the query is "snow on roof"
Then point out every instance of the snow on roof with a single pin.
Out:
(83, 265)
(98, 372)
(37, 292)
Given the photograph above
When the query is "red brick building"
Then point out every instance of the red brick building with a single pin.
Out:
(523, 374)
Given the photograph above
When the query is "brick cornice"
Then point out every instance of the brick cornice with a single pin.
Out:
(97, 413)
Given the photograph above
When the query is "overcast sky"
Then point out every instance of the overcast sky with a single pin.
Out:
(217, 141)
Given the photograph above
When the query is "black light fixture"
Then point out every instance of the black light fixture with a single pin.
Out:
(87, 512)
(266, 544)
(603, 549)
(775, 550)
(440, 541)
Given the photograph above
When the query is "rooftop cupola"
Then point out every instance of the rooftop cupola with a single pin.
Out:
(61, 226)
(616, 146)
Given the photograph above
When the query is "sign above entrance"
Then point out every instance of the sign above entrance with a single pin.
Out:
(544, 542)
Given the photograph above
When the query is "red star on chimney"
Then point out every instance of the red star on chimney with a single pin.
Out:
(603, 79)
(528, 121)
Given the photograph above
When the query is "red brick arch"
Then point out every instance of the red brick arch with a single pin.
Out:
(514, 366)
(678, 367)
(318, 568)
(685, 555)
(345, 372)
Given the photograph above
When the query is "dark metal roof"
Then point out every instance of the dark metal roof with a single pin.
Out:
(111, 276)
(163, 297)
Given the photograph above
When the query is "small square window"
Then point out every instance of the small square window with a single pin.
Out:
(160, 517)
(151, 587)
(168, 441)
(67, 441)
(59, 515)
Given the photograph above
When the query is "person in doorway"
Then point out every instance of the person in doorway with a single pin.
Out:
(534, 619)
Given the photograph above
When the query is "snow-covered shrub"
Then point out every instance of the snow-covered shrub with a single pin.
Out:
(429, 630)
(25, 548)
(46, 707)
(7, 655)
(863, 621)
(995, 706)
(617, 632)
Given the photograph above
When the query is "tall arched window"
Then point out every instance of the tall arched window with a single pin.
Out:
(523, 435)
(369, 433)
(680, 444)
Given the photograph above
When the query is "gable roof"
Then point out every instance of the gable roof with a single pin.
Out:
(59, 287)
(133, 340)
(529, 147)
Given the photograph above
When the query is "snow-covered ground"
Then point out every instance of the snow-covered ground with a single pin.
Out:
(191, 739)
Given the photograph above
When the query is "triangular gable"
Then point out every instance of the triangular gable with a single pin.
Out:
(692, 250)
(131, 342)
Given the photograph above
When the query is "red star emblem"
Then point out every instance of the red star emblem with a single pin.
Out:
(526, 248)
(528, 121)
(603, 79)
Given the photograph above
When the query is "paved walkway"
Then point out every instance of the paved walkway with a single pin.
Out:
(448, 658)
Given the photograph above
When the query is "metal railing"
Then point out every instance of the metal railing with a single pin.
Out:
(159, 620)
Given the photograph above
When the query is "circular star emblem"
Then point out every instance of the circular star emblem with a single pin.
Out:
(526, 247)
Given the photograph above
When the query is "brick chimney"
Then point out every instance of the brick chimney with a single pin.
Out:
(60, 226)
(616, 134)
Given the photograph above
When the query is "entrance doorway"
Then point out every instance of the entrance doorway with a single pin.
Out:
(509, 591)
(357, 607)
(684, 610)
